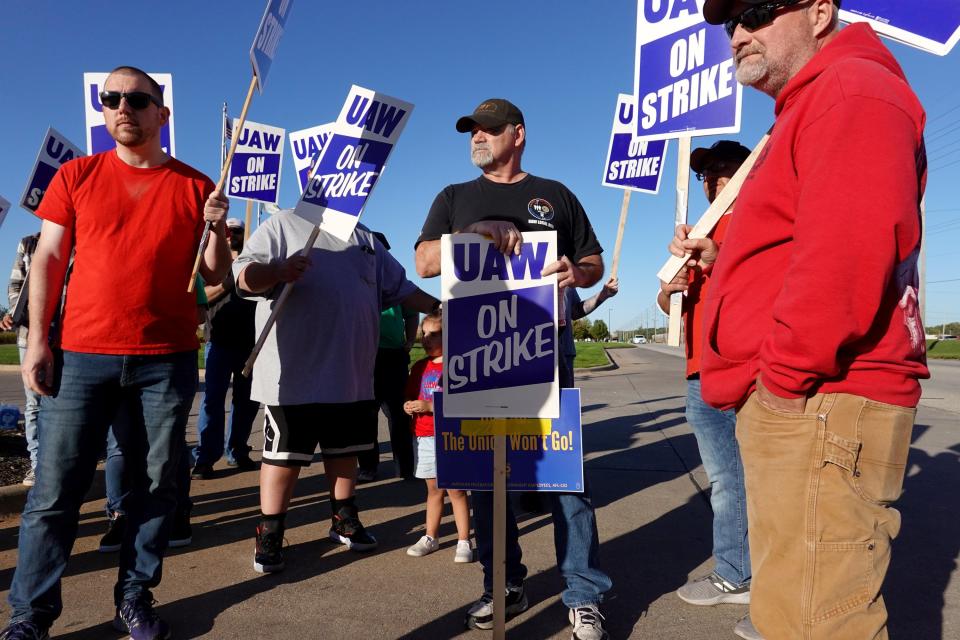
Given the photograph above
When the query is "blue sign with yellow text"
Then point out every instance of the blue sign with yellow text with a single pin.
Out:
(551, 461)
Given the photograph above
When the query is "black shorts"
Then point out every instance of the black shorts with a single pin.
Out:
(291, 433)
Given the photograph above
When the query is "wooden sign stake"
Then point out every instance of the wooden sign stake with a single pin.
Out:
(248, 220)
(499, 535)
(620, 228)
(683, 192)
(223, 178)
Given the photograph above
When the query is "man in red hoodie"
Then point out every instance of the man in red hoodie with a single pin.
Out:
(811, 324)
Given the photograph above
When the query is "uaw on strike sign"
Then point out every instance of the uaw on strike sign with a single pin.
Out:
(684, 80)
(306, 145)
(352, 159)
(256, 163)
(499, 328)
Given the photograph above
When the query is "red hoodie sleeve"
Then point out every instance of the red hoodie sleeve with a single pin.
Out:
(856, 219)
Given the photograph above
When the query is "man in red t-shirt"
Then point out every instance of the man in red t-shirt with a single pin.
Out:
(715, 430)
(128, 341)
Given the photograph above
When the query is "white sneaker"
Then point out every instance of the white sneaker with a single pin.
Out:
(30, 479)
(587, 624)
(464, 552)
(424, 546)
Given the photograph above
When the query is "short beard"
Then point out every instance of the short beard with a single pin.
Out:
(129, 136)
(750, 73)
(481, 156)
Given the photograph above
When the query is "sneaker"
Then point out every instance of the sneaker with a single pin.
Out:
(137, 617)
(347, 530)
(746, 630)
(425, 545)
(480, 613)
(23, 630)
(112, 540)
(181, 533)
(365, 476)
(269, 554)
(464, 552)
(587, 624)
(712, 589)
(30, 479)
(201, 471)
(242, 463)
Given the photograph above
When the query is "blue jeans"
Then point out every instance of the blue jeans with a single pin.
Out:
(223, 363)
(30, 411)
(716, 438)
(574, 537)
(119, 483)
(89, 389)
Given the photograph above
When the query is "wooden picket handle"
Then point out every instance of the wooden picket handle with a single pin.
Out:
(499, 535)
(223, 178)
(680, 217)
(711, 217)
(623, 223)
(248, 220)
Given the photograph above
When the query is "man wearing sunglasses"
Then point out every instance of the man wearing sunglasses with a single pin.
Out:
(502, 203)
(729, 580)
(812, 331)
(128, 338)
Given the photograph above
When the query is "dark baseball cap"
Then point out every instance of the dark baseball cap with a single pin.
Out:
(491, 113)
(719, 11)
(703, 157)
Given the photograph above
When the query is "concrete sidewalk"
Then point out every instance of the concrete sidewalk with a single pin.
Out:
(654, 522)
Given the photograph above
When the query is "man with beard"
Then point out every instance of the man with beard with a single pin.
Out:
(230, 339)
(502, 203)
(824, 377)
(128, 340)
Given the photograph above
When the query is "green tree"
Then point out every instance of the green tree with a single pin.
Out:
(599, 331)
(581, 329)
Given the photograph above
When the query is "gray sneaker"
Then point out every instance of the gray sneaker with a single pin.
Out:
(587, 624)
(712, 589)
(746, 630)
(424, 546)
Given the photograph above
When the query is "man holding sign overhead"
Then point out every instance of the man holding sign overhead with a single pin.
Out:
(134, 349)
(503, 203)
(812, 330)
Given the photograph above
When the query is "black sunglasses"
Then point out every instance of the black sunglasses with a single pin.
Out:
(757, 16)
(136, 99)
(713, 170)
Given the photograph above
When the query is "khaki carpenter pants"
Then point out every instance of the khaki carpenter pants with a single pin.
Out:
(819, 488)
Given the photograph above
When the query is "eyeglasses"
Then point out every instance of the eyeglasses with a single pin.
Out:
(712, 171)
(138, 100)
(755, 17)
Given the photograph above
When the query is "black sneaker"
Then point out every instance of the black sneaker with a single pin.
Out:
(23, 630)
(480, 613)
(201, 471)
(181, 533)
(112, 540)
(137, 617)
(348, 530)
(269, 553)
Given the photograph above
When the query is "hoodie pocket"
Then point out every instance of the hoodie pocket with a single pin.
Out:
(726, 381)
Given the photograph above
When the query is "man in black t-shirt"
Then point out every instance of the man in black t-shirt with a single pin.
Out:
(503, 203)
(230, 339)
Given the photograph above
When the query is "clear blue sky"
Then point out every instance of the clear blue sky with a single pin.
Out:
(562, 62)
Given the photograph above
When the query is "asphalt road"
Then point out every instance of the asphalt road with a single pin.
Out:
(653, 516)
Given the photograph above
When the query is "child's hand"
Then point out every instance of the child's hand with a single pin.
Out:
(418, 406)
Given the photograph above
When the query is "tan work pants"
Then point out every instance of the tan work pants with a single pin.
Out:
(819, 487)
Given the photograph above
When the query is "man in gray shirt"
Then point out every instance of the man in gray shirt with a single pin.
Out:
(315, 372)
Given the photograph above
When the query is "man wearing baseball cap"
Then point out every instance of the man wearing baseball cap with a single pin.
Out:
(812, 325)
(230, 339)
(729, 580)
(502, 203)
